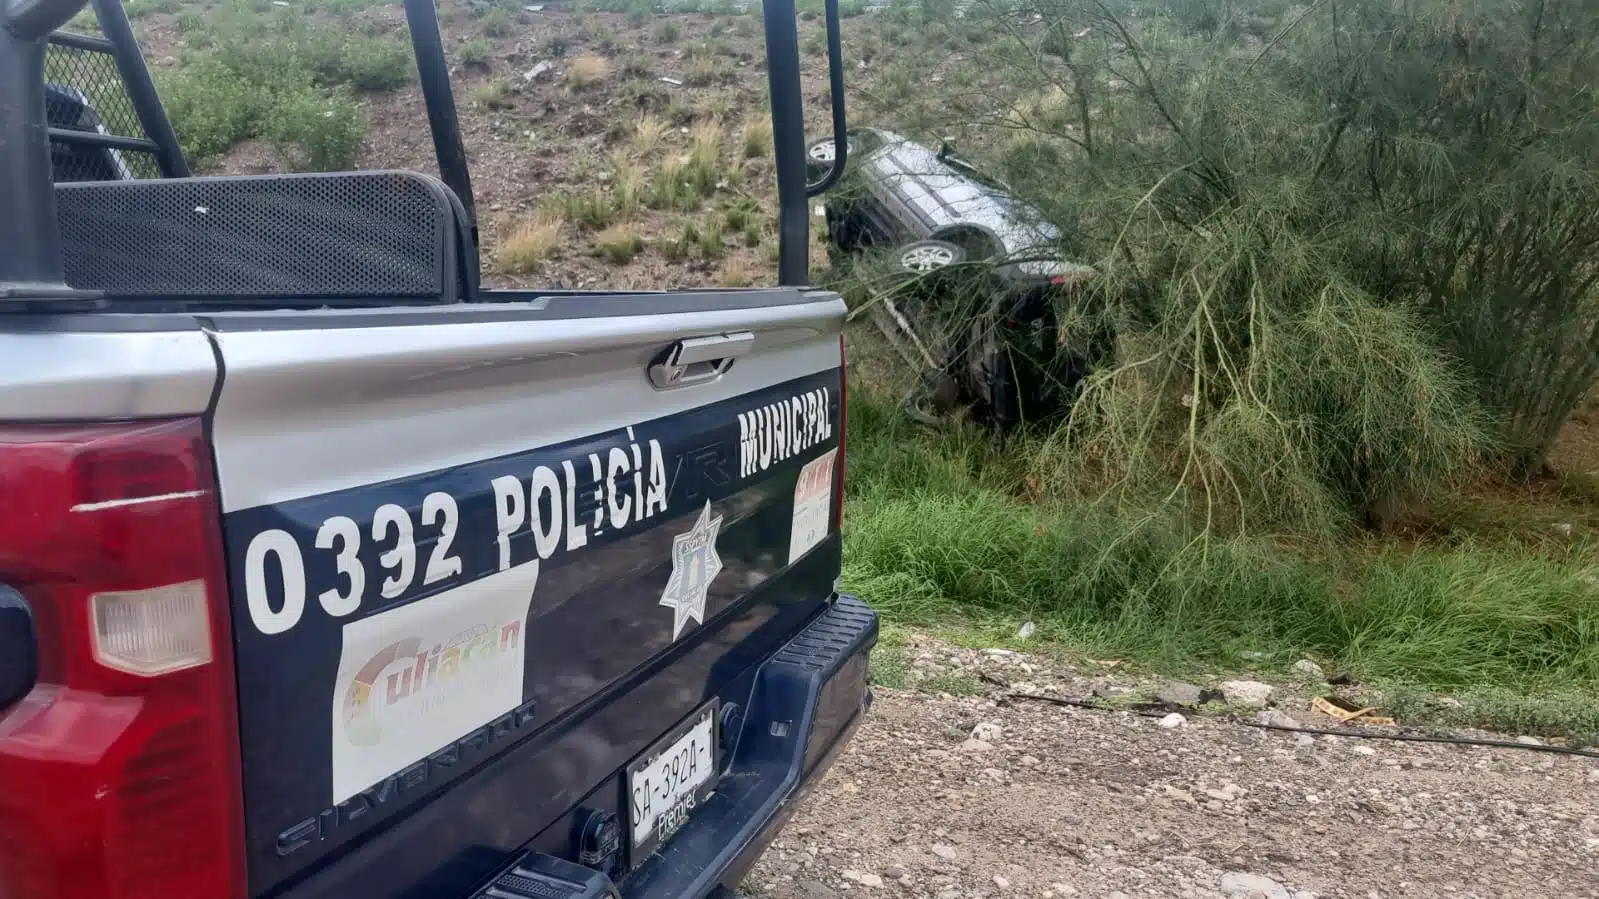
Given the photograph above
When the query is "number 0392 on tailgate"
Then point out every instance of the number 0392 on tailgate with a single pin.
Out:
(671, 779)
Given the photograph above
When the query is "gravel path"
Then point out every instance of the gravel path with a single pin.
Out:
(1054, 801)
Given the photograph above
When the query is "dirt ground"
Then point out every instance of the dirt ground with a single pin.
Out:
(1057, 801)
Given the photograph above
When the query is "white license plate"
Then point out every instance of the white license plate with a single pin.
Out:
(670, 779)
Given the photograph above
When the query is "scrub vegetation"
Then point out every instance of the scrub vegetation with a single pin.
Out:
(1346, 254)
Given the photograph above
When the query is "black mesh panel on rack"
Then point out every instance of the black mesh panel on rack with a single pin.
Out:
(347, 235)
(83, 92)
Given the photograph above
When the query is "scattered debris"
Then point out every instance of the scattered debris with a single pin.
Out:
(1332, 707)
(665, 79)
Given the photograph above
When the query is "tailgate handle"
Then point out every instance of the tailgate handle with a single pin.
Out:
(698, 360)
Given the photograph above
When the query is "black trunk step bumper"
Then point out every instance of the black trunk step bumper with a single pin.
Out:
(807, 701)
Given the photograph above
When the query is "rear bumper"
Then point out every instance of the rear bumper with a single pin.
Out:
(805, 705)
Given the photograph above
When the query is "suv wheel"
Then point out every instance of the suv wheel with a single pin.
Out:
(924, 256)
(819, 156)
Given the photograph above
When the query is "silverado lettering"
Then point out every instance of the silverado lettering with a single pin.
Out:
(322, 825)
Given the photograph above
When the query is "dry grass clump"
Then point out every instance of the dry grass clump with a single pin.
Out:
(587, 71)
(531, 241)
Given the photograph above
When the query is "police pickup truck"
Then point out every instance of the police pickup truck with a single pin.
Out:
(327, 572)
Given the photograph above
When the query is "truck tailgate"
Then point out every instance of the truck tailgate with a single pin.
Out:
(455, 533)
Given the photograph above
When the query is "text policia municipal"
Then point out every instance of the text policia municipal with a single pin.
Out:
(782, 430)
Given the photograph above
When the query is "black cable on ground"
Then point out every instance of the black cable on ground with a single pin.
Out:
(1365, 734)
(1361, 733)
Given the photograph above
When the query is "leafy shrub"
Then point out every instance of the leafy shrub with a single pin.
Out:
(497, 23)
(211, 108)
(371, 64)
(316, 132)
(476, 52)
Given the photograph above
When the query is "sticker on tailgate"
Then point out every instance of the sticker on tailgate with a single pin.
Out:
(447, 664)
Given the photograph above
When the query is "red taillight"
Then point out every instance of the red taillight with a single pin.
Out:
(119, 772)
(843, 417)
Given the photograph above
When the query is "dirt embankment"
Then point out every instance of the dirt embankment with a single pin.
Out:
(1056, 801)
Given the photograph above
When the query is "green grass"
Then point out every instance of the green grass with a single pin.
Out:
(594, 209)
(1554, 712)
(938, 535)
(951, 683)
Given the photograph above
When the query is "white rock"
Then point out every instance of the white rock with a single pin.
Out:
(975, 745)
(1529, 741)
(1026, 631)
(534, 7)
(987, 731)
(1310, 669)
(1001, 882)
(1234, 883)
(1179, 795)
(947, 853)
(1362, 750)
(1174, 720)
(539, 70)
(672, 81)
(869, 880)
(1593, 775)
(1248, 693)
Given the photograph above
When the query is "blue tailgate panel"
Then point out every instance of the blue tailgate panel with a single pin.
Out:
(380, 631)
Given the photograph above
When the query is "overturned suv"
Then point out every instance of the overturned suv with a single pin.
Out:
(981, 277)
